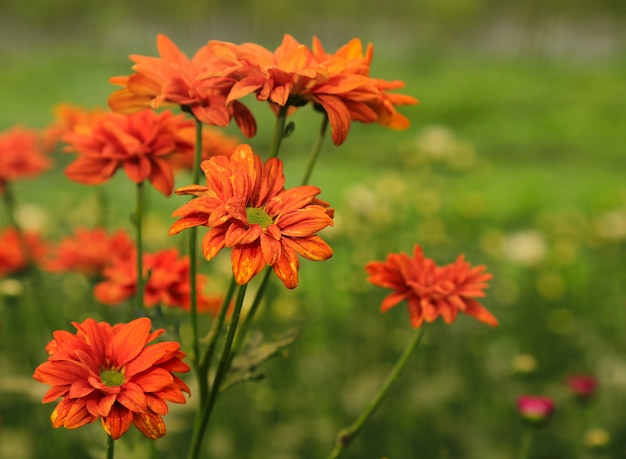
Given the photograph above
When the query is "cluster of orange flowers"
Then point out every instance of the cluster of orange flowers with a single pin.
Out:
(110, 372)
(211, 83)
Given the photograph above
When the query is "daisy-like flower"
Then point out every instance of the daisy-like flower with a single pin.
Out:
(173, 78)
(339, 84)
(13, 260)
(67, 118)
(247, 209)
(141, 143)
(111, 373)
(536, 410)
(167, 285)
(430, 290)
(89, 252)
(21, 155)
(582, 386)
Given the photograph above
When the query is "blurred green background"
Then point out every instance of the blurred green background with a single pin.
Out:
(515, 157)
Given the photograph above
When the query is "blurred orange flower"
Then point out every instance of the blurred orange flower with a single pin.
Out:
(167, 284)
(248, 209)
(141, 143)
(173, 78)
(111, 373)
(21, 155)
(430, 290)
(67, 118)
(12, 247)
(89, 252)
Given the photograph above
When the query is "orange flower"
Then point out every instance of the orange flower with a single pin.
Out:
(248, 209)
(349, 94)
(67, 118)
(174, 79)
(431, 291)
(294, 75)
(111, 373)
(90, 251)
(167, 285)
(21, 155)
(12, 247)
(142, 143)
(274, 76)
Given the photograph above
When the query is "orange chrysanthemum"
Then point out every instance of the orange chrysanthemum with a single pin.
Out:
(167, 285)
(21, 155)
(173, 78)
(339, 83)
(67, 118)
(89, 252)
(141, 143)
(247, 208)
(430, 290)
(111, 373)
(13, 246)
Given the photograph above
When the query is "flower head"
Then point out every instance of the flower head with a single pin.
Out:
(339, 84)
(141, 143)
(90, 251)
(110, 372)
(67, 118)
(536, 410)
(430, 290)
(19, 250)
(173, 78)
(21, 155)
(167, 284)
(247, 209)
(582, 386)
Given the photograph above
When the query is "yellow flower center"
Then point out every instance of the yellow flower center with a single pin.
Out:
(112, 378)
(258, 216)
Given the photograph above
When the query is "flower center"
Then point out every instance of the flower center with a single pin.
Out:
(258, 216)
(112, 378)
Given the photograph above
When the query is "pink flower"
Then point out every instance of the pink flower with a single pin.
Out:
(535, 409)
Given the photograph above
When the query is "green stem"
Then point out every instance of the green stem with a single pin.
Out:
(527, 441)
(204, 364)
(346, 436)
(315, 151)
(279, 131)
(139, 242)
(247, 321)
(110, 448)
(193, 257)
(9, 205)
(222, 369)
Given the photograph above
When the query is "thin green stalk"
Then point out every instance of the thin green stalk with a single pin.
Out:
(9, 206)
(222, 369)
(315, 151)
(346, 436)
(279, 131)
(203, 365)
(527, 440)
(110, 448)
(247, 321)
(193, 258)
(138, 220)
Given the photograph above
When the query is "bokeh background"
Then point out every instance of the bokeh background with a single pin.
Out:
(515, 157)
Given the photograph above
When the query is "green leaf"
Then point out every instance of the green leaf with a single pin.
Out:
(245, 366)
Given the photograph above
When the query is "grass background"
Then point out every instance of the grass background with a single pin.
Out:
(523, 103)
